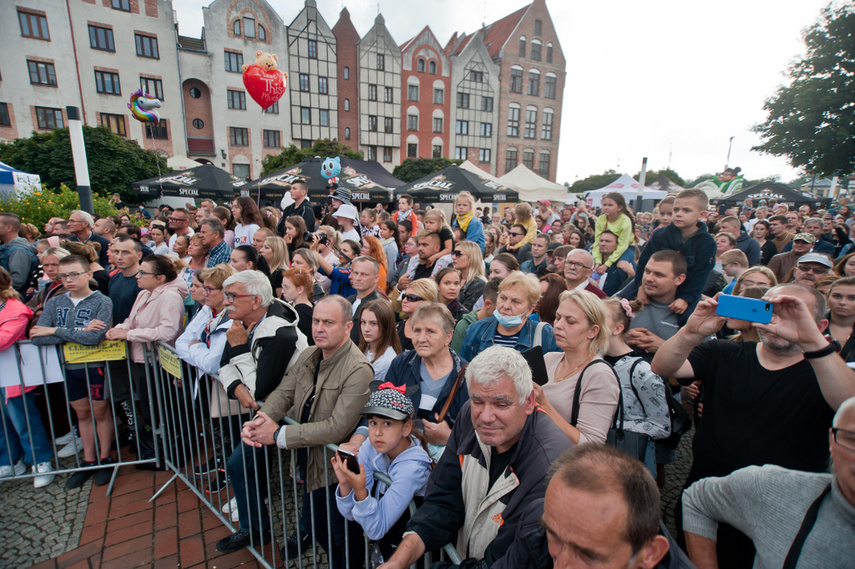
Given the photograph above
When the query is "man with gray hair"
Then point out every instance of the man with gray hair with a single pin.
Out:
(815, 226)
(499, 452)
(80, 225)
(212, 231)
(578, 268)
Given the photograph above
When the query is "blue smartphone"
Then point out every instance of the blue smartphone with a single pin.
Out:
(743, 308)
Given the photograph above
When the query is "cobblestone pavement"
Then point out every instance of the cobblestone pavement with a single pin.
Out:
(676, 474)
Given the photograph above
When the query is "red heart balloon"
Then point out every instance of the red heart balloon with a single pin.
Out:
(265, 86)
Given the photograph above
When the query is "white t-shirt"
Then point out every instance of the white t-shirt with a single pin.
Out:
(381, 366)
(244, 233)
(351, 234)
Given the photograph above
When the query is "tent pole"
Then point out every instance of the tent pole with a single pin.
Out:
(78, 153)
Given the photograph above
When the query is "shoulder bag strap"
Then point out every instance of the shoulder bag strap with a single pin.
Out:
(574, 414)
(632, 383)
(807, 525)
(451, 394)
(538, 334)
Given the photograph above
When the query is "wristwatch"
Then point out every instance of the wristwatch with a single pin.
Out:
(833, 346)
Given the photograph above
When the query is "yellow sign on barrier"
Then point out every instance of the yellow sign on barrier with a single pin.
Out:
(106, 351)
(169, 362)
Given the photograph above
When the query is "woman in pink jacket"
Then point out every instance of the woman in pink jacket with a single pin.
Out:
(15, 447)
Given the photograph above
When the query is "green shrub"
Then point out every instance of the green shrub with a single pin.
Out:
(39, 206)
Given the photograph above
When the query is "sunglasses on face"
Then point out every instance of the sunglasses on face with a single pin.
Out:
(457, 253)
(411, 297)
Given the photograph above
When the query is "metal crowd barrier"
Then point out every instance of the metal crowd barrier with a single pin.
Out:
(40, 373)
(197, 430)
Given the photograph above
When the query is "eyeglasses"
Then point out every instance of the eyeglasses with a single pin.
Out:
(230, 296)
(411, 297)
(209, 290)
(844, 438)
(814, 270)
(69, 276)
(515, 234)
(142, 272)
(457, 253)
(575, 265)
(177, 219)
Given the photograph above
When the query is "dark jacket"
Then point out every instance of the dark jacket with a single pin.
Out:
(750, 247)
(304, 210)
(470, 293)
(405, 369)
(102, 241)
(522, 254)
(354, 332)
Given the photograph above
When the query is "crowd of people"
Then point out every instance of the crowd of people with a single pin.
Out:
(488, 361)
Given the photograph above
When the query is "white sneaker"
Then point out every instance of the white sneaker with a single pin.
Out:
(45, 479)
(71, 449)
(7, 470)
(66, 438)
(231, 506)
(235, 516)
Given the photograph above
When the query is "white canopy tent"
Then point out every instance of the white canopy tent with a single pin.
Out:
(626, 185)
(12, 180)
(469, 166)
(532, 187)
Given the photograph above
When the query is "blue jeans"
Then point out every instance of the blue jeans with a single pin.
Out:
(250, 488)
(15, 433)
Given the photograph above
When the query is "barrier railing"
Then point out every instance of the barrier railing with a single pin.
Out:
(35, 377)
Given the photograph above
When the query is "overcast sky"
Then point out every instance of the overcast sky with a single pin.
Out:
(656, 78)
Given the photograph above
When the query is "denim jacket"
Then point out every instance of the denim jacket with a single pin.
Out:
(480, 335)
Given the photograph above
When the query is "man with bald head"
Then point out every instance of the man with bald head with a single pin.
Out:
(578, 267)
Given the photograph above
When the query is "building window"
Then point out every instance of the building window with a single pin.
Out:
(486, 129)
(347, 105)
(460, 152)
(262, 33)
(463, 100)
(528, 159)
(372, 153)
(236, 27)
(241, 171)
(313, 49)
(42, 73)
(346, 72)
(248, 27)
(101, 38)
(510, 159)
(543, 167)
(304, 82)
(388, 95)
(4, 115)
(123, 5)
(195, 92)
(534, 84)
(535, 50)
(484, 155)
(530, 122)
(153, 87)
(437, 124)
(487, 104)
(549, 53)
(33, 25)
(438, 96)
(234, 62)
(546, 130)
(324, 117)
(432, 67)
(412, 151)
(513, 120)
(538, 27)
(372, 92)
(381, 62)
(198, 124)
(323, 85)
(147, 47)
(412, 92)
(387, 154)
(272, 109)
(550, 87)
(271, 139)
(347, 133)
(522, 47)
(412, 122)
(305, 143)
(157, 131)
(437, 151)
(372, 123)
(236, 100)
(420, 65)
(476, 76)
(462, 127)
(115, 123)
(238, 136)
(305, 115)
(516, 80)
(107, 83)
(388, 125)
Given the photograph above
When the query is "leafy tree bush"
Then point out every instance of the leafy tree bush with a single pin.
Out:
(39, 206)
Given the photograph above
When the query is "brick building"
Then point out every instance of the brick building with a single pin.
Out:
(347, 40)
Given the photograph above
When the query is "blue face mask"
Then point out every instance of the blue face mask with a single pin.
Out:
(508, 321)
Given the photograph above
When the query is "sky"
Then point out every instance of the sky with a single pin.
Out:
(669, 80)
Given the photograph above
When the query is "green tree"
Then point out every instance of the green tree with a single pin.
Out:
(594, 182)
(293, 155)
(811, 121)
(414, 168)
(114, 162)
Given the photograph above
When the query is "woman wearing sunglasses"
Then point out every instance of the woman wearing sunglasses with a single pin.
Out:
(419, 292)
(467, 259)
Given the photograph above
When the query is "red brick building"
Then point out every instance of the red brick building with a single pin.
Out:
(347, 38)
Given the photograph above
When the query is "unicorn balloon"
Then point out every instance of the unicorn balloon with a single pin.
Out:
(142, 107)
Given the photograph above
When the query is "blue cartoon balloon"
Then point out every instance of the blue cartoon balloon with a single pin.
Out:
(330, 167)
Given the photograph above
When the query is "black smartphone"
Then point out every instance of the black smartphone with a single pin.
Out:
(350, 460)
(534, 358)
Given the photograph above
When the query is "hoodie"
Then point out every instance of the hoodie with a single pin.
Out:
(21, 255)
(155, 316)
(14, 317)
(70, 320)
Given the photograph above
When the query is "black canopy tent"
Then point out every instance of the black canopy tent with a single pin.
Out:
(205, 181)
(368, 182)
(446, 184)
(772, 190)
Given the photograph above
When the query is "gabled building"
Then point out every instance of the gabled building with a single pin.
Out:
(347, 40)
(426, 91)
(312, 77)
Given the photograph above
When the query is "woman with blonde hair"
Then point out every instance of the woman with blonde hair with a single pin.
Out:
(275, 252)
(755, 276)
(467, 221)
(581, 394)
(417, 293)
(50, 286)
(467, 259)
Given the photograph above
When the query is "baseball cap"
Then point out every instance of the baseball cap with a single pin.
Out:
(346, 210)
(815, 258)
(544, 202)
(807, 237)
(388, 401)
